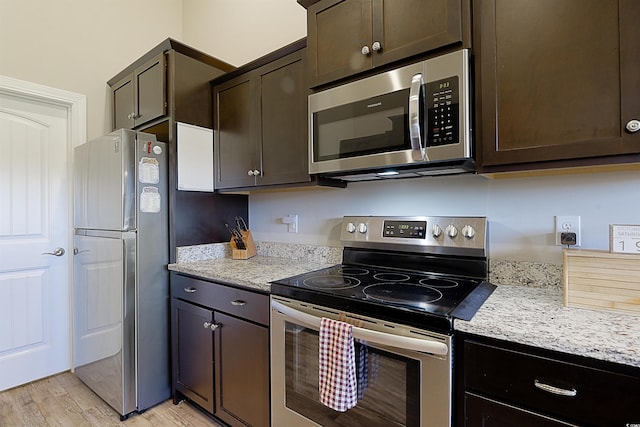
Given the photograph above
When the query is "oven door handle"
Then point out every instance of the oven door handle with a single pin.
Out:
(373, 337)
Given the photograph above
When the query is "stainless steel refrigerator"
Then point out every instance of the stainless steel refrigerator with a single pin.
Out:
(120, 282)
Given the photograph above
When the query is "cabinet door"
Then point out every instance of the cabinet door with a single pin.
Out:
(283, 121)
(481, 412)
(141, 96)
(150, 90)
(122, 103)
(337, 31)
(242, 372)
(235, 138)
(410, 27)
(192, 352)
(550, 87)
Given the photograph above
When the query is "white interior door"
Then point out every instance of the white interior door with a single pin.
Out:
(35, 250)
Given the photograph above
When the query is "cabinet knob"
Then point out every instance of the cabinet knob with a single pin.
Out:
(376, 46)
(633, 125)
(365, 50)
(211, 325)
(256, 172)
(190, 290)
(238, 303)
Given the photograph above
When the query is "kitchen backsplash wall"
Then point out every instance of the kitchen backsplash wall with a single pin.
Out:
(501, 272)
(520, 210)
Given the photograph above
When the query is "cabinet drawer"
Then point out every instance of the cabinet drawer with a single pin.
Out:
(238, 302)
(569, 391)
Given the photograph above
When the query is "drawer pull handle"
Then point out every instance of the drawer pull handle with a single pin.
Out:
(238, 303)
(190, 290)
(555, 390)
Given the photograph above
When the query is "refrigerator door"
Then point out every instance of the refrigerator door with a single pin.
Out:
(105, 181)
(104, 317)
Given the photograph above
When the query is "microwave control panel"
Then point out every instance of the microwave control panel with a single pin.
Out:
(443, 113)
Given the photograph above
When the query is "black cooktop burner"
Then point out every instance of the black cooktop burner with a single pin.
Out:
(331, 282)
(353, 271)
(408, 294)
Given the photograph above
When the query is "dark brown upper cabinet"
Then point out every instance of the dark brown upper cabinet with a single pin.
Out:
(140, 96)
(168, 85)
(260, 123)
(558, 83)
(346, 37)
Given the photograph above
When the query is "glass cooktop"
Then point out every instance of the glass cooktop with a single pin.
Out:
(397, 295)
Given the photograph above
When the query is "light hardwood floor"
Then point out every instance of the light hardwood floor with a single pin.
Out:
(64, 401)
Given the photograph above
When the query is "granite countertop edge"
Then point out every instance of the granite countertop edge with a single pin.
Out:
(530, 313)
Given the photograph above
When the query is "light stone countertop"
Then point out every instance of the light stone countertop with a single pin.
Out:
(527, 307)
(254, 273)
(536, 316)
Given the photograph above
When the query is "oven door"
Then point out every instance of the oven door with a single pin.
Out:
(404, 377)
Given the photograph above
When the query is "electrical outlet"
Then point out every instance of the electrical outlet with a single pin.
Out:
(567, 225)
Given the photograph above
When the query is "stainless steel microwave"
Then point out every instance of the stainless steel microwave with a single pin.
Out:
(410, 121)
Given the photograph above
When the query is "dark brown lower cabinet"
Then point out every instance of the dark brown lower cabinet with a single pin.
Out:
(220, 349)
(483, 412)
(502, 384)
(192, 353)
(242, 353)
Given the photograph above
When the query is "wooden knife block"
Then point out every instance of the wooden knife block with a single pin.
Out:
(251, 250)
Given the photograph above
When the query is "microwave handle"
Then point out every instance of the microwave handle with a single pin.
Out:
(418, 152)
(373, 337)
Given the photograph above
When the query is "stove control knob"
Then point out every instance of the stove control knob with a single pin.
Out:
(468, 231)
(351, 228)
(436, 231)
(451, 231)
(362, 228)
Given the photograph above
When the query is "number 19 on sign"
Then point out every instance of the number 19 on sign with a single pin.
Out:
(624, 239)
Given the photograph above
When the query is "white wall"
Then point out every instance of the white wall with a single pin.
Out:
(77, 45)
(520, 211)
(239, 31)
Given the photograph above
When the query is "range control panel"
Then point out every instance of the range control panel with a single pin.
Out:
(405, 229)
(436, 234)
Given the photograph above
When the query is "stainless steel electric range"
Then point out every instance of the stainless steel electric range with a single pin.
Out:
(402, 283)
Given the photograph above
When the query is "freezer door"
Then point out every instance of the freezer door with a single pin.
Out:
(105, 183)
(104, 317)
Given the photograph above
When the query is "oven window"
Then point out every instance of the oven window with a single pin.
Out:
(374, 125)
(388, 384)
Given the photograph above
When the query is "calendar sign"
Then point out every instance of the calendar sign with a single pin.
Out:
(624, 239)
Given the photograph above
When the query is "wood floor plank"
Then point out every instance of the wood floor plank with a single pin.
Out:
(64, 401)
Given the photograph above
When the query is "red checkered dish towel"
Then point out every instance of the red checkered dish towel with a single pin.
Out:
(338, 385)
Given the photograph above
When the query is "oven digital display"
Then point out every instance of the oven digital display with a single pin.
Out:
(405, 229)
